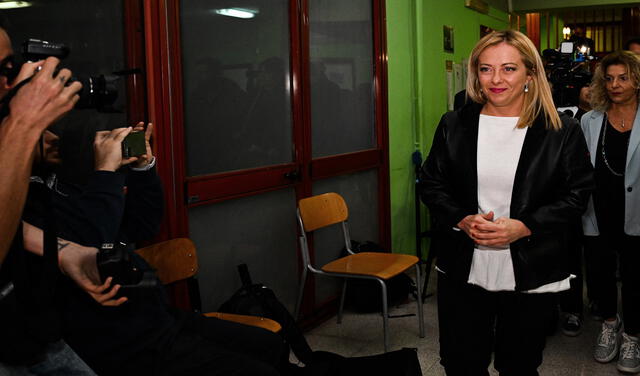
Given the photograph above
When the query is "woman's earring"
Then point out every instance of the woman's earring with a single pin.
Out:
(526, 87)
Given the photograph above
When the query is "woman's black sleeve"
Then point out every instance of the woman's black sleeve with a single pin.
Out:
(436, 184)
(578, 182)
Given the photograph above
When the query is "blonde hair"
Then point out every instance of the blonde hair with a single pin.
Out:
(538, 99)
(599, 98)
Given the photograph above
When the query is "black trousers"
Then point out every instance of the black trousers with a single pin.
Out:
(571, 300)
(602, 254)
(475, 322)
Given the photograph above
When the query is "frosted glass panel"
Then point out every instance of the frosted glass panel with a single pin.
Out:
(236, 81)
(259, 231)
(341, 70)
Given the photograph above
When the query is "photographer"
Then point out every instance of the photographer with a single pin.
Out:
(29, 326)
(144, 336)
(38, 104)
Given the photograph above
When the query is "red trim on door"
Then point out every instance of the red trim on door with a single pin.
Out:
(214, 188)
(134, 55)
(382, 120)
(344, 164)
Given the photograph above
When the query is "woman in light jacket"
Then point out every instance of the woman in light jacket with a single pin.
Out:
(505, 178)
(612, 220)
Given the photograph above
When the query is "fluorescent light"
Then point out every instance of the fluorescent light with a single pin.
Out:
(237, 12)
(14, 4)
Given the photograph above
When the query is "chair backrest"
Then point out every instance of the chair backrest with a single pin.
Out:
(174, 259)
(322, 210)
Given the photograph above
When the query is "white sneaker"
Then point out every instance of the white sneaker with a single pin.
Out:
(608, 341)
(629, 360)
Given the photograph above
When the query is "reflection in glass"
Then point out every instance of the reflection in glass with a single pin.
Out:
(237, 100)
(341, 70)
(230, 233)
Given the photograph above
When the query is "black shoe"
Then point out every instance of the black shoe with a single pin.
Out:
(595, 311)
(572, 325)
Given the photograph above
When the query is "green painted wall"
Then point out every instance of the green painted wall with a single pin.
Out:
(418, 89)
(555, 35)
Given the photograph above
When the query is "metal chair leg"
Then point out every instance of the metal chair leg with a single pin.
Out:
(344, 292)
(303, 281)
(385, 315)
(419, 302)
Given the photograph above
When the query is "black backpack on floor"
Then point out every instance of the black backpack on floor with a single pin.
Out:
(259, 300)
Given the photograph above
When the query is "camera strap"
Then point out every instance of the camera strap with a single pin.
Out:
(50, 270)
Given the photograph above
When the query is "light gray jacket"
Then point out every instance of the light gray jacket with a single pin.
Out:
(591, 126)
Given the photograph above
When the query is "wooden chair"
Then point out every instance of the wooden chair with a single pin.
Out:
(329, 209)
(176, 260)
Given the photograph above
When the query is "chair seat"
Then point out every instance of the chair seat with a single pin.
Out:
(261, 322)
(377, 264)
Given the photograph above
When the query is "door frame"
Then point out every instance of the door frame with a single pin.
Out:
(165, 106)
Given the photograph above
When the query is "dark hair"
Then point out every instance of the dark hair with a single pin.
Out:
(630, 42)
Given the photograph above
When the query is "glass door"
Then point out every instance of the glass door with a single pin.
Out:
(266, 102)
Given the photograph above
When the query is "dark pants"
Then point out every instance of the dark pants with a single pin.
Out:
(601, 254)
(475, 322)
(571, 300)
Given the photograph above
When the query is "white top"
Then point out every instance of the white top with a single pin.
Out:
(499, 147)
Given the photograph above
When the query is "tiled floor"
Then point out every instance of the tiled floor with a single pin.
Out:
(360, 335)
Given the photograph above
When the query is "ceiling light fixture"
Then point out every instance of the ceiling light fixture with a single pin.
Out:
(237, 12)
(14, 4)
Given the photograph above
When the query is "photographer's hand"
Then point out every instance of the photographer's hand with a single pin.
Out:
(147, 157)
(78, 263)
(108, 149)
(35, 106)
(27, 70)
(44, 99)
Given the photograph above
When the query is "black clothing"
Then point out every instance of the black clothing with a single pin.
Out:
(97, 213)
(608, 198)
(209, 346)
(571, 300)
(579, 114)
(145, 336)
(29, 314)
(467, 316)
(552, 183)
(460, 99)
(601, 255)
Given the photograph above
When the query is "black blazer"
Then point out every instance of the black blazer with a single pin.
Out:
(553, 181)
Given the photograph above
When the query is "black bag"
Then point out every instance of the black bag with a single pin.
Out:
(364, 295)
(259, 300)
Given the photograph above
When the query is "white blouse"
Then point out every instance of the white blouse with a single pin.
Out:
(499, 147)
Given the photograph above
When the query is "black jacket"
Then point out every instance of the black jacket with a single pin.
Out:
(553, 181)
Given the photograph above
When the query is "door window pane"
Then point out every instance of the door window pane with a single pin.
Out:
(236, 80)
(341, 70)
(259, 231)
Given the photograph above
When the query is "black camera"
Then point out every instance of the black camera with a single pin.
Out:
(98, 91)
(567, 71)
(115, 260)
